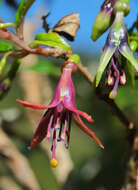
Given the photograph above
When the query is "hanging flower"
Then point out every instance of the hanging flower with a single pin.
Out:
(114, 56)
(56, 121)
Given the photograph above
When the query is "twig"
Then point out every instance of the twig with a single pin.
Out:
(6, 126)
(131, 129)
(17, 163)
(54, 52)
(7, 184)
(85, 72)
(131, 179)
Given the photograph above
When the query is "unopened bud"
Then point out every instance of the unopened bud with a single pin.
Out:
(103, 20)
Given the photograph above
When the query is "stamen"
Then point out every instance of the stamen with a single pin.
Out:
(63, 136)
(59, 135)
(113, 93)
(54, 161)
(123, 79)
(68, 131)
(57, 126)
(49, 128)
(110, 79)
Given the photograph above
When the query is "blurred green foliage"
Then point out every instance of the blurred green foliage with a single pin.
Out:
(45, 67)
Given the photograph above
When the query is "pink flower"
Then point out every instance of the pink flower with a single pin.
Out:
(59, 115)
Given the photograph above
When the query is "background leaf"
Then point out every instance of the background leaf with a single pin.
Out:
(45, 67)
(5, 46)
(21, 11)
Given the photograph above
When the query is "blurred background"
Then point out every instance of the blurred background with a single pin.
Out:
(88, 167)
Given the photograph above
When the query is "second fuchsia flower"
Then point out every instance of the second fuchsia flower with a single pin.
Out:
(56, 122)
(115, 54)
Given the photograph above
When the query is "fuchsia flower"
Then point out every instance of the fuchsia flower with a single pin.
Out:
(59, 115)
(116, 58)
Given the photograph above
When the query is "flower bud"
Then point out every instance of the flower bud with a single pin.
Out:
(5, 85)
(103, 20)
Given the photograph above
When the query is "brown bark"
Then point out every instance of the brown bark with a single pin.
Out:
(17, 163)
(7, 184)
(131, 182)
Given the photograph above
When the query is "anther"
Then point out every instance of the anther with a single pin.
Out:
(54, 162)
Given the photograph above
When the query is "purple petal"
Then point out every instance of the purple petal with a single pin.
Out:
(41, 131)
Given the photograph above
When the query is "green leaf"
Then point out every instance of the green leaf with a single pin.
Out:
(127, 53)
(104, 60)
(45, 67)
(5, 46)
(130, 73)
(50, 39)
(21, 11)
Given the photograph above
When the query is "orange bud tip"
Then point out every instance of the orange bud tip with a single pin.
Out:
(54, 163)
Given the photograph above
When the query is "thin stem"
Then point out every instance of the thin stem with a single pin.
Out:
(85, 73)
(54, 52)
(131, 129)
